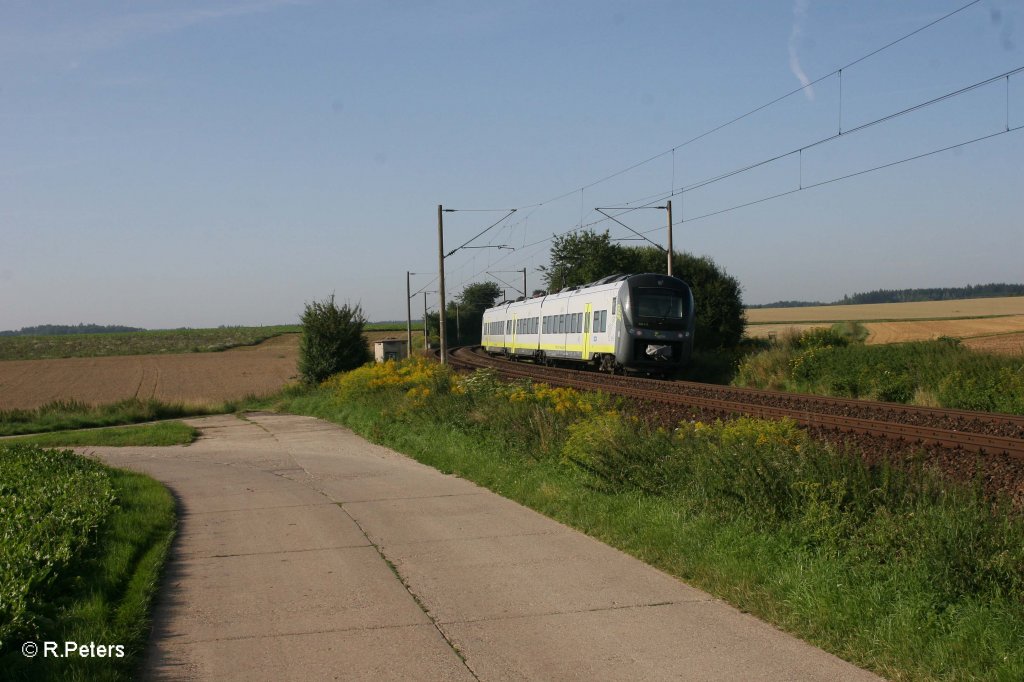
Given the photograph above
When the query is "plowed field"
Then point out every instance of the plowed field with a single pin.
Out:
(205, 378)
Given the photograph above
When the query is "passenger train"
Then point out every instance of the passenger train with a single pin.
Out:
(622, 323)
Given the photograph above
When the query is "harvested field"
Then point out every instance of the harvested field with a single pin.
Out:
(204, 378)
(779, 331)
(1003, 344)
(928, 310)
(896, 332)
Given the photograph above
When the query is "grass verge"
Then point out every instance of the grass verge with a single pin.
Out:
(69, 414)
(161, 433)
(86, 582)
(899, 572)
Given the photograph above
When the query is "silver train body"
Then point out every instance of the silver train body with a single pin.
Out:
(637, 323)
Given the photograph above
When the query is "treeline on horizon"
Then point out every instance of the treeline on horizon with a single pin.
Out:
(80, 328)
(993, 290)
(83, 328)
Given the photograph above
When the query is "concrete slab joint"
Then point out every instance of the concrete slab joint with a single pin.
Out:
(306, 553)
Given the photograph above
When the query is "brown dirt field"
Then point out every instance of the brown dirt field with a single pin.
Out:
(974, 307)
(895, 332)
(205, 378)
(1003, 344)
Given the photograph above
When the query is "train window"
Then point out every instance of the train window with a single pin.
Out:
(586, 323)
(614, 299)
(659, 303)
(579, 322)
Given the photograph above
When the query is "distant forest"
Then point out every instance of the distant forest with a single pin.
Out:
(993, 290)
(80, 328)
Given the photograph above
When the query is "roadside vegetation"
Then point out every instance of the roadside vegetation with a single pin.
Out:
(69, 414)
(157, 434)
(834, 361)
(82, 549)
(39, 347)
(899, 571)
(332, 340)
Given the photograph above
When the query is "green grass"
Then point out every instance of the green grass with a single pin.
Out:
(101, 586)
(136, 343)
(896, 571)
(162, 433)
(66, 415)
(938, 373)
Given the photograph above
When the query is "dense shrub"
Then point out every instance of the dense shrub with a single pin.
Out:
(332, 340)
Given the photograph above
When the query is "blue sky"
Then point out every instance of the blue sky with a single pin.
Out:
(174, 164)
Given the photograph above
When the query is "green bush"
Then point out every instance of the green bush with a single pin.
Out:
(332, 340)
(52, 502)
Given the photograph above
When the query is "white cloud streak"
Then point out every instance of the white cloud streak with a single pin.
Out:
(799, 15)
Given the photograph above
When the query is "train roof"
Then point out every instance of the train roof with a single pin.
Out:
(604, 281)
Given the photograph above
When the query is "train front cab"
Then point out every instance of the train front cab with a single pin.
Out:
(656, 323)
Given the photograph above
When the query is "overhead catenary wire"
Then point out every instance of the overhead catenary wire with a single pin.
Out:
(760, 108)
(527, 250)
(655, 198)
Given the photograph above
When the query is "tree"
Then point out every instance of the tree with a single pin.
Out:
(586, 256)
(479, 296)
(332, 340)
(582, 257)
(463, 321)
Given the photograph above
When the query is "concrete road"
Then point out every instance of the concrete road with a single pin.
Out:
(306, 553)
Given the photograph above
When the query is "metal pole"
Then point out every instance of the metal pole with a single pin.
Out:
(458, 327)
(408, 315)
(440, 275)
(668, 205)
(525, 295)
(426, 345)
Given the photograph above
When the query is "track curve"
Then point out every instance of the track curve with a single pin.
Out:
(961, 430)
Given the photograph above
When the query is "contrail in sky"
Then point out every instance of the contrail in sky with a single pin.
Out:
(799, 14)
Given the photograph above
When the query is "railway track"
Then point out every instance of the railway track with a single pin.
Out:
(1000, 436)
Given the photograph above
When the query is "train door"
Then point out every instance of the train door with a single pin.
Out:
(515, 322)
(586, 330)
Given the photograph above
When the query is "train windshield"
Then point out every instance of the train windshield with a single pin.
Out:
(663, 304)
